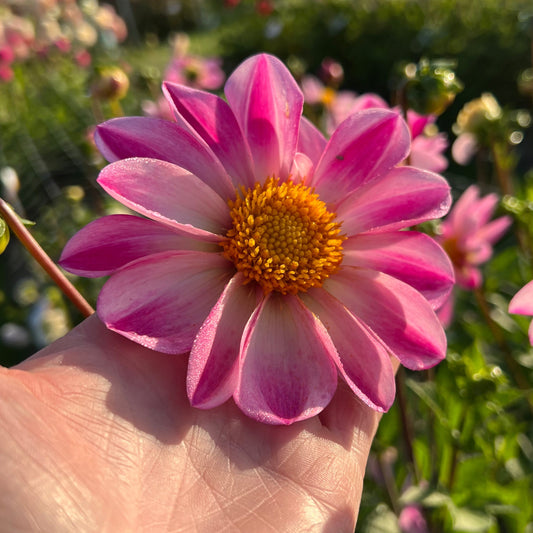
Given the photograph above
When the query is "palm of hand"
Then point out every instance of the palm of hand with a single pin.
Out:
(96, 434)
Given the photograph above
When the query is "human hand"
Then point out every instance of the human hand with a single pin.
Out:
(97, 435)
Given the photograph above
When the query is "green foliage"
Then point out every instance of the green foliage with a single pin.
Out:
(4, 235)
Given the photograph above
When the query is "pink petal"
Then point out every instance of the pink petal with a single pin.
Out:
(417, 123)
(427, 153)
(469, 212)
(161, 301)
(363, 361)
(287, 373)
(342, 106)
(398, 314)
(404, 197)
(312, 89)
(302, 167)
(409, 256)
(311, 142)
(493, 231)
(366, 145)
(169, 194)
(210, 117)
(153, 138)
(369, 101)
(522, 301)
(468, 277)
(484, 208)
(445, 311)
(212, 374)
(110, 242)
(268, 104)
(464, 148)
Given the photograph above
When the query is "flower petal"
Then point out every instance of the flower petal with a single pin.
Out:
(311, 142)
(445, 311)
(398, 314)
(110, 242)
(210, 117)
(121, 138)
(464, 148)
(268, 104)
(427, 153)
(161, 301)
(169, 194)
(494, 230)
(409, 256)
(522, 301)
(287, 373)
(404, 197)
(301, 167)
(366, 145)
(363, 360)
(212, 373)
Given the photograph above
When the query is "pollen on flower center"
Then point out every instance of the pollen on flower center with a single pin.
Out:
(283, 237)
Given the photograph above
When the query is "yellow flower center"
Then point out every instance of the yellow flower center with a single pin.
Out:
(283, 237)
(328, 96)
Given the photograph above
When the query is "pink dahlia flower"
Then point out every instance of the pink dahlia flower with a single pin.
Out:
(411, 520)
(195, 71)
(468, 235)
(522, 304)
(275, 259)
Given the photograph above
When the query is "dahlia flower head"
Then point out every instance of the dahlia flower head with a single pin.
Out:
(274, 259)
(522, 304)
(468, 235)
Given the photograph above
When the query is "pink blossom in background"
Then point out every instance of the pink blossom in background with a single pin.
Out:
(185, 69)
(195, 71)
(159, 109)
(467, 235)
(276, 259)
(411, 520)
(46, 27)
(427, 151)
(6, 58)
(522, 304)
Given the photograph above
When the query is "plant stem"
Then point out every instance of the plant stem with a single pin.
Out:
(455, 447)
(34, 248)
(407, 430)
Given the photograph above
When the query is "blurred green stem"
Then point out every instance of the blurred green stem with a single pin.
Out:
(456, 448)
(407, 430)
(502, 168)
(33, 247)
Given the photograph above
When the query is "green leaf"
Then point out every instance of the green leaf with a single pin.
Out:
(4, 235)
(382, 520)
(426, 392)
(468, 521)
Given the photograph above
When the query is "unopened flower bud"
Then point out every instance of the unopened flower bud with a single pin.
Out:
(428, 87)
(476, 113)
(111, 83)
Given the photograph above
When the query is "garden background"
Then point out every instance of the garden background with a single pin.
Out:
(456, 450)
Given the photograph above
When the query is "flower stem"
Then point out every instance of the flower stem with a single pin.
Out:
(407, 430)
(34, 248)
(455, 447)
